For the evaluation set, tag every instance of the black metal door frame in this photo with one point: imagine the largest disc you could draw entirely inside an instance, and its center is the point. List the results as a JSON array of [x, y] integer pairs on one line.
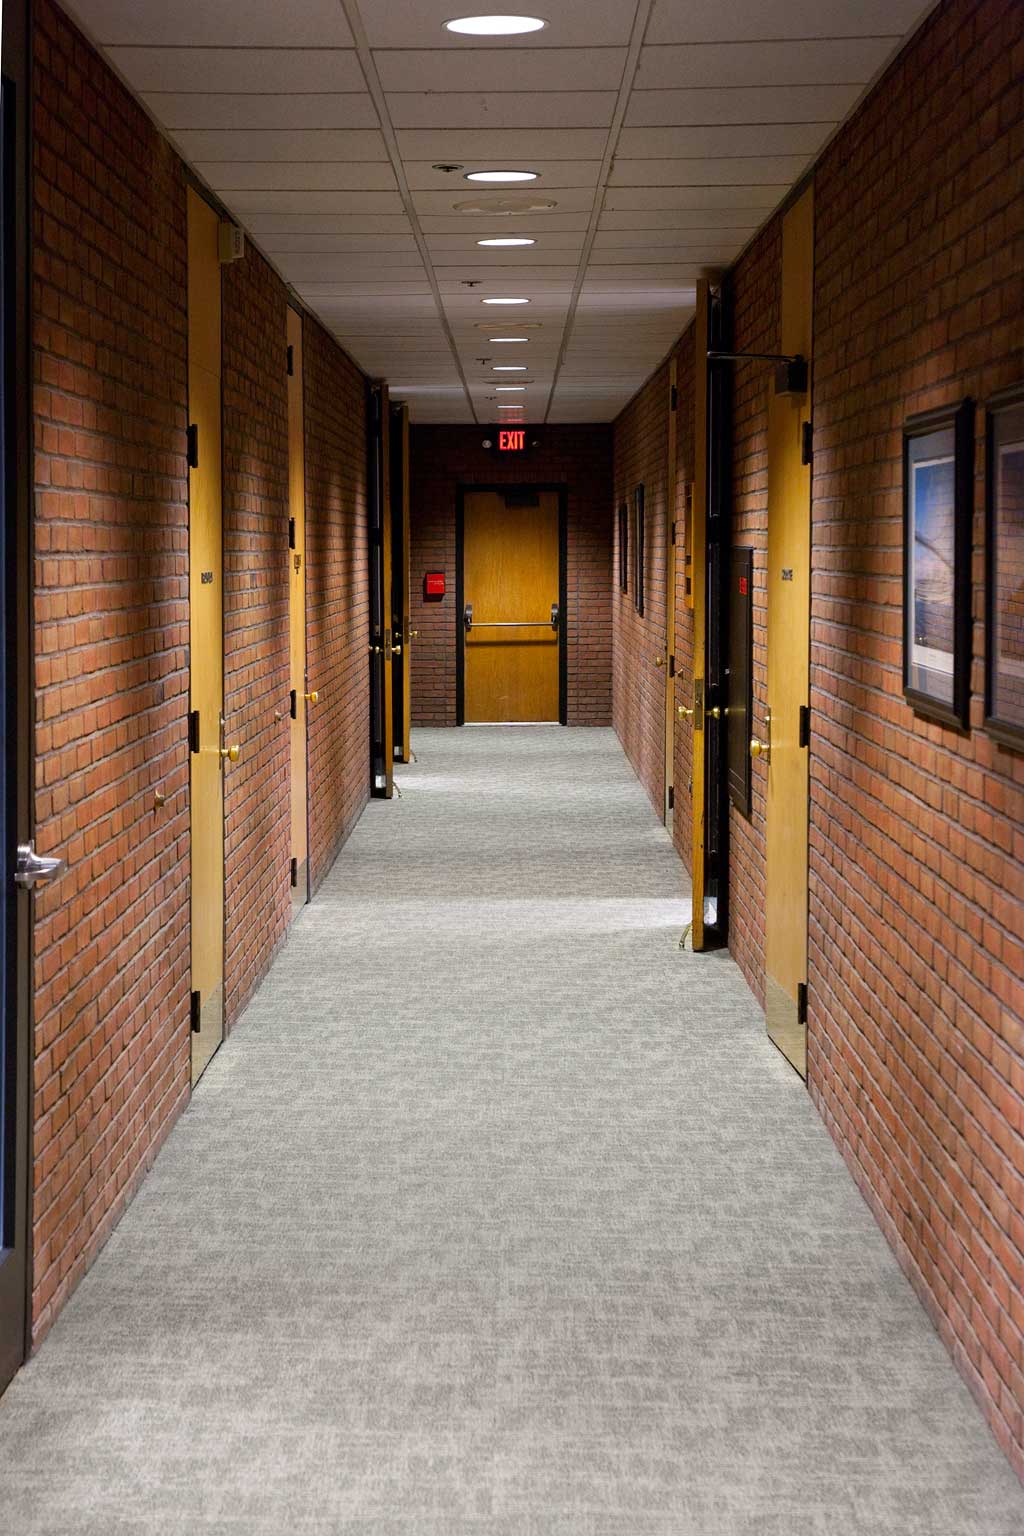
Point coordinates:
[[462, 491], [16, 693], [380, 596], [716, 720]]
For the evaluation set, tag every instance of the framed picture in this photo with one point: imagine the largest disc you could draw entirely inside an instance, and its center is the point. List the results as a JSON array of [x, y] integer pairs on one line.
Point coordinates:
[[623, 548], [938, 475], [638, 548], [1004, 567]]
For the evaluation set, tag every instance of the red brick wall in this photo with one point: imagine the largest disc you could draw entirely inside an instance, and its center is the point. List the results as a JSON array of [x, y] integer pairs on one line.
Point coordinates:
[[112, 953], [111, 616], [441, 459], [638, 686], [337, 594], [257, 789], [916, 962], [917, 882], [682, 820]]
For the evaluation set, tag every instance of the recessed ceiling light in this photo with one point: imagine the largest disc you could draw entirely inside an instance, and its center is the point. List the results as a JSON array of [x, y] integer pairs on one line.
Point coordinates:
[[517, 241], [508, 338], [497, 178], [504, 301], [508, 367], [494, 26], [508, 389], [510, 407]]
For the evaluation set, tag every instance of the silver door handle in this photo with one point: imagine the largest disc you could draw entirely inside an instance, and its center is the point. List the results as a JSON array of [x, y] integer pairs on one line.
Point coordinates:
[[32, 866]]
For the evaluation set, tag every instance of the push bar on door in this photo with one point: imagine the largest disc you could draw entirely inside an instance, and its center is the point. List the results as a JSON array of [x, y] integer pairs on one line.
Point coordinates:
[[509, 623]]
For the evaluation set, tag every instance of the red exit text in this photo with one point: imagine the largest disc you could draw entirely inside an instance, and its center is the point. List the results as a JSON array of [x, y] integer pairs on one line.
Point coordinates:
[[511, 442]]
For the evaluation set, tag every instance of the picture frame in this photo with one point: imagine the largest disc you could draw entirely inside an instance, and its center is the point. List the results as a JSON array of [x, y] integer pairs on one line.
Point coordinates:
[[938, 508], [638, 548], [623, 547], [1004, 567]]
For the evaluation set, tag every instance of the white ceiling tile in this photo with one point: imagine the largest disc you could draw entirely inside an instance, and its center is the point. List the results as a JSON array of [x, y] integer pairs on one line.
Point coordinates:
[[659, 199], [772, 170], [256, 24], [556, 174], [357, 225], [547, 240], [276, 200], [503, 148], [296, 175], [476, 226], [646, 277], [783, 104], [389, 250], [609, 243], [240, 110], [725, 141], [499, 69], [721, 67], [501, 109], [221, 70], [711, 21], [349, 267], [309, 146], [420, 24], [691, 219]]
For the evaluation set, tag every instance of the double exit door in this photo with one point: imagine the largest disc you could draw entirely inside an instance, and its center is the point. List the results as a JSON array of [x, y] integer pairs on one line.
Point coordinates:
[[510, 606]]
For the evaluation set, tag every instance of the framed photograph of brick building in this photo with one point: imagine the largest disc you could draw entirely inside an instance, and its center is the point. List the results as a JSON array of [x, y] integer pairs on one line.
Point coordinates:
[[1004, 567], [639, 529], [938, 452]]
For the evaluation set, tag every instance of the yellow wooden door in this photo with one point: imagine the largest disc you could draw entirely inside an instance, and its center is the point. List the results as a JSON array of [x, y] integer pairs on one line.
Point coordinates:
[[206, 637], [697, 541], [400, 560], [789, 617], [670, 599], [510, 581], [301, 696]]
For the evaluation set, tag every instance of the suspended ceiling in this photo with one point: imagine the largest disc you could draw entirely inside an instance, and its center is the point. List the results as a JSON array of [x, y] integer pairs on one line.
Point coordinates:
[[664, 132]]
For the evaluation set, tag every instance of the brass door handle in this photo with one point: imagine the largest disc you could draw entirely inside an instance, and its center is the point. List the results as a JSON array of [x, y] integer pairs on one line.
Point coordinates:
[[686, 714], [396, 650], [716, 713], [659, 661], [414, 634], [231, 754], [759, 748], [311, 698], [375, 650]]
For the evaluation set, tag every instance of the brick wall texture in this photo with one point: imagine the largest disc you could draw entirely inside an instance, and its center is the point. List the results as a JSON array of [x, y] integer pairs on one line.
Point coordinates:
[[112, 943], [916, 899], [442, 459]]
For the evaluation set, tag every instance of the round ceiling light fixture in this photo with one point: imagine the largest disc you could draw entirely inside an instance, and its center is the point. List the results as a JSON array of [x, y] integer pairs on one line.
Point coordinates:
[[494, 26], [501, 207], [500, 178], [518, 240], [504, 301]]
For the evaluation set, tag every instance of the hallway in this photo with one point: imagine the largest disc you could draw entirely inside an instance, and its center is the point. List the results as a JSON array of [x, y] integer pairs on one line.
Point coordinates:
[[498, 1213]]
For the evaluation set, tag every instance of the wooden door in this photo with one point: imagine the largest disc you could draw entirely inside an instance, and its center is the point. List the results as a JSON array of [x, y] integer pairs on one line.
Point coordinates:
[[382, 722], [670, 597], [301, 697], [789, 612], [206, 638], [511, 622], [400, 606]]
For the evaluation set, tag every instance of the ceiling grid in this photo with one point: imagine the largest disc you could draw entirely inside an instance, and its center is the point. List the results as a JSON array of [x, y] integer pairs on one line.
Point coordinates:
[[662, 134]]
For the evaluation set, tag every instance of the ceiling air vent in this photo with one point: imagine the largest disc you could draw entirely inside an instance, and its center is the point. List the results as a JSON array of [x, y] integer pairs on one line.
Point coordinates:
[[517, 202]]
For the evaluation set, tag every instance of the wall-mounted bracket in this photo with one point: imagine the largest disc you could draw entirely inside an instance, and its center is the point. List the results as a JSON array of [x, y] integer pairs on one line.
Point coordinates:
[[791, 373]]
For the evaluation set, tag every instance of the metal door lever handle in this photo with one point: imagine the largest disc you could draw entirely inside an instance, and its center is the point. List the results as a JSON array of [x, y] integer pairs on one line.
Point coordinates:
[[32, 867]]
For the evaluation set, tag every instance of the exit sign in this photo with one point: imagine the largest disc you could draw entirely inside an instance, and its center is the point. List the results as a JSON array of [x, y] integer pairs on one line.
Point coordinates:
[[511, 440]]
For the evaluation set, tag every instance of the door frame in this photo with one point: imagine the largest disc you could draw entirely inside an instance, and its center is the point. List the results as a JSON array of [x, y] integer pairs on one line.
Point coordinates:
[[18, 706], [470, 489]]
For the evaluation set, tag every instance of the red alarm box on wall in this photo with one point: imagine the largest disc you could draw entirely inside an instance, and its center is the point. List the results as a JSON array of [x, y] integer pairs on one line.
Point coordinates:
[[433, 584]]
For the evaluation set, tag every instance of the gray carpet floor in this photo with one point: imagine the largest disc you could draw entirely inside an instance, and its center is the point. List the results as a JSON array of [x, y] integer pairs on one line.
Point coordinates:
[[498, 1214]]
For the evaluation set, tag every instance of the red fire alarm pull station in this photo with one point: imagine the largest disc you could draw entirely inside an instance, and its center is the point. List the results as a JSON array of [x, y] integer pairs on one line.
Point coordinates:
[[433, 584], [512, 440]]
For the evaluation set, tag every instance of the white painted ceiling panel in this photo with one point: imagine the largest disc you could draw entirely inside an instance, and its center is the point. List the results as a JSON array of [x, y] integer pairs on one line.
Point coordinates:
[[660, 161], [756, 105], [561, 70], [502, 109], [420, 24], [244, 24], [732, 65], [714, 21], [242, 110], [278, 70]]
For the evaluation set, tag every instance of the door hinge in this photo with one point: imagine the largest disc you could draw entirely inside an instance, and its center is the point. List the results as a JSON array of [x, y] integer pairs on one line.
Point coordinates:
[[671, 797], [291, 361], [193, 731], [295, 873], [192, 444], [291, 533], [807, 443], [295, 703], [675, 398], [195, 1010], [801, 1002], [805, 725]]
